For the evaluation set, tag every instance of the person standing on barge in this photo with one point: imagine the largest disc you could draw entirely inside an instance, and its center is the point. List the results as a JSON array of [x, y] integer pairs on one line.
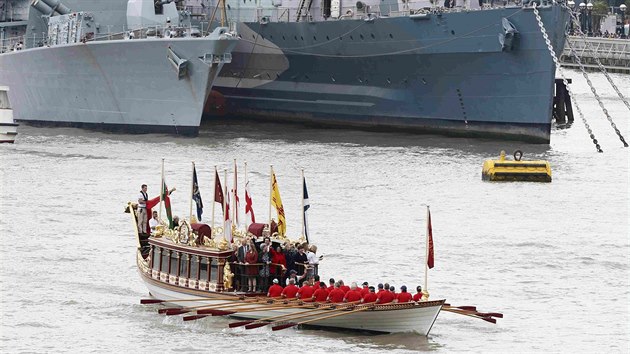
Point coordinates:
[[143, 218]]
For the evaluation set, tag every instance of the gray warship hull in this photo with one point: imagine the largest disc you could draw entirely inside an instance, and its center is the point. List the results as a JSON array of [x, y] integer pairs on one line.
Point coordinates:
[[114, 85], [441, 73]]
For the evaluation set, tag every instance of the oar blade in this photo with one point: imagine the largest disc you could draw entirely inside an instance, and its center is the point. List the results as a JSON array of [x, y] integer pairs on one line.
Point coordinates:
[[194, 317], [222, 313], [174, 312], [164, 310], [467, 308], [283, 326], [256, 325], [489, 319], [494, 314], [239, 324], [151, 301]]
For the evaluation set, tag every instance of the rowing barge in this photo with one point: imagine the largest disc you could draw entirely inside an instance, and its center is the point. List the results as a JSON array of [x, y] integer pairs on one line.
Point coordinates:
[[191, 266]]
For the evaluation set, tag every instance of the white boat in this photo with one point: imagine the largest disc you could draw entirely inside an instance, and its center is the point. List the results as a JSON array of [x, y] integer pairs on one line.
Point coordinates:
[[179, 270], [8, 127]]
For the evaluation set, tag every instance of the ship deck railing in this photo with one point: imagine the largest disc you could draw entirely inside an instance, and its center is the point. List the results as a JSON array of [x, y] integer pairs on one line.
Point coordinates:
[[289, 14]]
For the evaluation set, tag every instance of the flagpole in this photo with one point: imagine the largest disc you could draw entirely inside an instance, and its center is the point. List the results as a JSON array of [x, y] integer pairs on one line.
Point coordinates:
[[161, 190], [246, 221], [214, 197], [234, 195], [270, 196], [426, 257], [192, 191], [225, 195], [303, 214]]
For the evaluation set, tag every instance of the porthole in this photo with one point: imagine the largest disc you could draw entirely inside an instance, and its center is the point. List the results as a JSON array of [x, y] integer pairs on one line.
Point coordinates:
[[452, 32], [372, 35], [327, 38], [295, 37], [314, 38], [351, 38], [391, 36], [302, 38], [283, 38], [361, 36]]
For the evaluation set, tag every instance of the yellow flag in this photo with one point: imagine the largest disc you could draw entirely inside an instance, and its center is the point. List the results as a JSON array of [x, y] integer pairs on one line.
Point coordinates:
[[276, 201]]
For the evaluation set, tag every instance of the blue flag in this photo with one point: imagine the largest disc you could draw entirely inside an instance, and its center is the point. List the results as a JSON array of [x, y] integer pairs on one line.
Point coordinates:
[[306, 206], [196, 195]]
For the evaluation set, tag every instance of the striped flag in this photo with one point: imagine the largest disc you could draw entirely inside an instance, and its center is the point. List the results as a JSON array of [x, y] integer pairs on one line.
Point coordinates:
[[307, 205], [276, 201], [167, 205]]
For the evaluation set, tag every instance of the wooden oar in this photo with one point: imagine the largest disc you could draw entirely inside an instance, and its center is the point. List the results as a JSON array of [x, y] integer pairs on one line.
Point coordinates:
[[472, 314], [296, 315], [213, 312], [273, 318], [466, 308], [181, 310], [343, 313], [158, 301]]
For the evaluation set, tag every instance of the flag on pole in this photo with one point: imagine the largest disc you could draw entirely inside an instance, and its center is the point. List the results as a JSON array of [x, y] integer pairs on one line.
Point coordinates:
[[249, 210], [167, 205], [430, 242], [227, 225], [196, 196], [237, 203], [307, 205], [218, 191], [276, 201]]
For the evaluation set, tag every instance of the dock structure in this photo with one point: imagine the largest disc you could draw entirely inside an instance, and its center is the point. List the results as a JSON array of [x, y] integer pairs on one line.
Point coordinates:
[[614, 54]]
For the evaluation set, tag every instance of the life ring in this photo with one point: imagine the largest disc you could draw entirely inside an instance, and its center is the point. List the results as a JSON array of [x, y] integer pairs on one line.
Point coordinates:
[[518, 154]]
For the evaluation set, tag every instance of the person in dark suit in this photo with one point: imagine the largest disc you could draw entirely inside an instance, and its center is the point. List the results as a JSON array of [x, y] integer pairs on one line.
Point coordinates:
[[240, 257]]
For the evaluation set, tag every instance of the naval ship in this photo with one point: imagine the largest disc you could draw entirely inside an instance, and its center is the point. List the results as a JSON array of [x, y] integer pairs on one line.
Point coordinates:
[[468, 69], [119, 65]]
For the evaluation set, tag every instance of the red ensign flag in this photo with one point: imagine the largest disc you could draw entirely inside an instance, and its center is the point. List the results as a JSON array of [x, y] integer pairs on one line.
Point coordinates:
[[430, 236]]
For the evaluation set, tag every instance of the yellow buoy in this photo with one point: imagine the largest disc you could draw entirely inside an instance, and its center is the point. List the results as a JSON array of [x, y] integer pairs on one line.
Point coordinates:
[[516, 170]]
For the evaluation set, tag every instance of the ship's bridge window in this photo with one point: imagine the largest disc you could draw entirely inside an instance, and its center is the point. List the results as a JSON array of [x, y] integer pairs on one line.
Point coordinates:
[[158, 7]]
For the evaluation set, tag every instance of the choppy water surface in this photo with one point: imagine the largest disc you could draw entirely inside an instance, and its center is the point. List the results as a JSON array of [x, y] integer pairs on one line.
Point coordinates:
[[554, 258]]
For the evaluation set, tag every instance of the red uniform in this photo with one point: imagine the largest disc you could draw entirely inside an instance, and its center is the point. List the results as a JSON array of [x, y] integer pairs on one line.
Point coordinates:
[[344, 288], [365, 290], [336, 295], [290, 291], [385, 297], [417, 297], [275, 291], [330, 288], [369, 297], [352, 295], [321, 294], [306, 292], [404, 297]]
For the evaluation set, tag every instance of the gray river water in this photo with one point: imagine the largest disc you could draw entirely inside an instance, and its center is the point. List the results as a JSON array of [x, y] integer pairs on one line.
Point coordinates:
[[554, 258]]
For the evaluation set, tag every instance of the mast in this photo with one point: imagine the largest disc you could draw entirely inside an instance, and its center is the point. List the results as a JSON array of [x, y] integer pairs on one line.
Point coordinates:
[[161, 190], [246, 181], [426, 254], [214, 199], [270, 195], [192, 190], [303, 212]]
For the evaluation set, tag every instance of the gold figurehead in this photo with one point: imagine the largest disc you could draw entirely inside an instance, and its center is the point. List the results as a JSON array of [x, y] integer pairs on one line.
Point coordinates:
[[227, 276]]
